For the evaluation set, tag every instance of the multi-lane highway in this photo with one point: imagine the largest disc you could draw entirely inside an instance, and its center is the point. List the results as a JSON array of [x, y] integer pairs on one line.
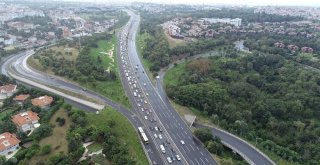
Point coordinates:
[[177, 138], [170, 140]]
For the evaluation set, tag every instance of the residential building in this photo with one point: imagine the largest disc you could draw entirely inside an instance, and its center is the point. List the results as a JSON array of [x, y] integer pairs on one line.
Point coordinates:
[[235, 22], [43, 101], [26, 121], [7, 91], [8, 143], [20, 99]]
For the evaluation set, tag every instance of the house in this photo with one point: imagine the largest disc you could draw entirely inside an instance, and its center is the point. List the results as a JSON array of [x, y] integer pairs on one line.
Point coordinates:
[[43, 101], [8, 143], [7, 91], [307, 50], [26, 121], [20, 99]]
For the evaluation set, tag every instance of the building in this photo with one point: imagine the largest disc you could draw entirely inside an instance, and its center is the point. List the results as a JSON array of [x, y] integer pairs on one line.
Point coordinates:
[[7, 90], [235, 22], [42, 102], [26, 121], [20, 99], [8, 143]]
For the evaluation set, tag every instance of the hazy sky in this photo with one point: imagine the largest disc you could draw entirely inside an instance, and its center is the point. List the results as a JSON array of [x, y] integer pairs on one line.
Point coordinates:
[[229, 2]]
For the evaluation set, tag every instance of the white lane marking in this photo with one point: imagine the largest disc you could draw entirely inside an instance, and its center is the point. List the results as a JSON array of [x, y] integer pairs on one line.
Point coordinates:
[[201, 153], [197, 161], [207, 160], [202, 161], [192, 148]]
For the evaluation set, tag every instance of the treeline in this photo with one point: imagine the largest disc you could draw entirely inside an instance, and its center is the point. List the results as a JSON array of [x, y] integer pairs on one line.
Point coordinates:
[[247, 15], [265, 42], [158, 53], [259, 96]]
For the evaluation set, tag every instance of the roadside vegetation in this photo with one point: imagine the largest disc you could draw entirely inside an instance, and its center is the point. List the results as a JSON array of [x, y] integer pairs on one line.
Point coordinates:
[[263, 98], [224, 154], [94, 67]]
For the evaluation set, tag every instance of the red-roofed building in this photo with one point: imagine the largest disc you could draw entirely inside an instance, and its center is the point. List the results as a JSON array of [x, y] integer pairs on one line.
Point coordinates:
[[20, 99], [26, 121], [42, 102], [7, 90], [8, 143]]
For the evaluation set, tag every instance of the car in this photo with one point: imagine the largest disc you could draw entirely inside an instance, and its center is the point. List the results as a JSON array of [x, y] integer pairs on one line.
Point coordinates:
[[139, 104], [160, 129], [160, 136], [169, 160], [139, 96], [178, 157], [142, 109], [145, 101], [173, 150], [147, 94], [144, 84], [156, 128], [182, 142], [84, 89], [155, 135], [146, 117]]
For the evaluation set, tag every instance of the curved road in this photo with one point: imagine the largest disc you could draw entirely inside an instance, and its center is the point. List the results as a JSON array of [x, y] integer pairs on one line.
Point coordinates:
[[14, 66], [192, 152], [251, 154]]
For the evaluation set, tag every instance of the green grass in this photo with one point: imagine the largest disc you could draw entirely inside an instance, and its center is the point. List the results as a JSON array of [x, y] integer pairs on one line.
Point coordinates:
[[172, 74], [94, 147], [5, 113], [141, 44], [123, 129], [111, 89], [58, 139]]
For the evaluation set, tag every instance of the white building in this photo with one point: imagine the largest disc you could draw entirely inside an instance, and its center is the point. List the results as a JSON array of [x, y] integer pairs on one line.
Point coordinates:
[[235, 22], [8, 143], [26, 121]]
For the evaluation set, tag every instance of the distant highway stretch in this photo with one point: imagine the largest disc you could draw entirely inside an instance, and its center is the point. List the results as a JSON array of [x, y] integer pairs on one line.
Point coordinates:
[[174, 129]]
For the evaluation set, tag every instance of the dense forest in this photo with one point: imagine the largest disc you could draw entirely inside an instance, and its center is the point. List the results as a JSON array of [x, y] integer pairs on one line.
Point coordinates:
[[262, 97]]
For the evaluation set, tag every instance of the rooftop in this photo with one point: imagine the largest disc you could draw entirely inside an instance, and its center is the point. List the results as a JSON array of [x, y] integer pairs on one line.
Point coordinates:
[[8, 140], [42, 101], [24, 118]]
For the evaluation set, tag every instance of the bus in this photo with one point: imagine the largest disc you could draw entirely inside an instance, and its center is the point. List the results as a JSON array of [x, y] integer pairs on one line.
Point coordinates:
[[143, 135]]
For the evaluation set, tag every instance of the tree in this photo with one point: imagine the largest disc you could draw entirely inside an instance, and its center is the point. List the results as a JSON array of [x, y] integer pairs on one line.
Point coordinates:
[[215, 147], [203, 134], [2, 159]]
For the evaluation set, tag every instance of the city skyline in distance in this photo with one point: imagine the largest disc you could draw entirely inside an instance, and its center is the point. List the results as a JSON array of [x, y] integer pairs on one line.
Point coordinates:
[[309, 3]]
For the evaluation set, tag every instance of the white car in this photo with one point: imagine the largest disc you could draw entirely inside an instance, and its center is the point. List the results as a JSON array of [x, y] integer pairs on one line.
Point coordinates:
[[155, 135], [144, 84], [146, 117], [156, 128], [178, 157], [145, 101], [142, 109], [182, 142], [160, 136], [169, 160], [147, 94], [139, 104]]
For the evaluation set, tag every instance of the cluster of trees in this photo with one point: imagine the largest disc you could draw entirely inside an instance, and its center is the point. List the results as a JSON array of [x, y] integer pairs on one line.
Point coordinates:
[[247, 15], [80, 132], [45, 129], [257, 96], [214, 145], [84, 66]]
